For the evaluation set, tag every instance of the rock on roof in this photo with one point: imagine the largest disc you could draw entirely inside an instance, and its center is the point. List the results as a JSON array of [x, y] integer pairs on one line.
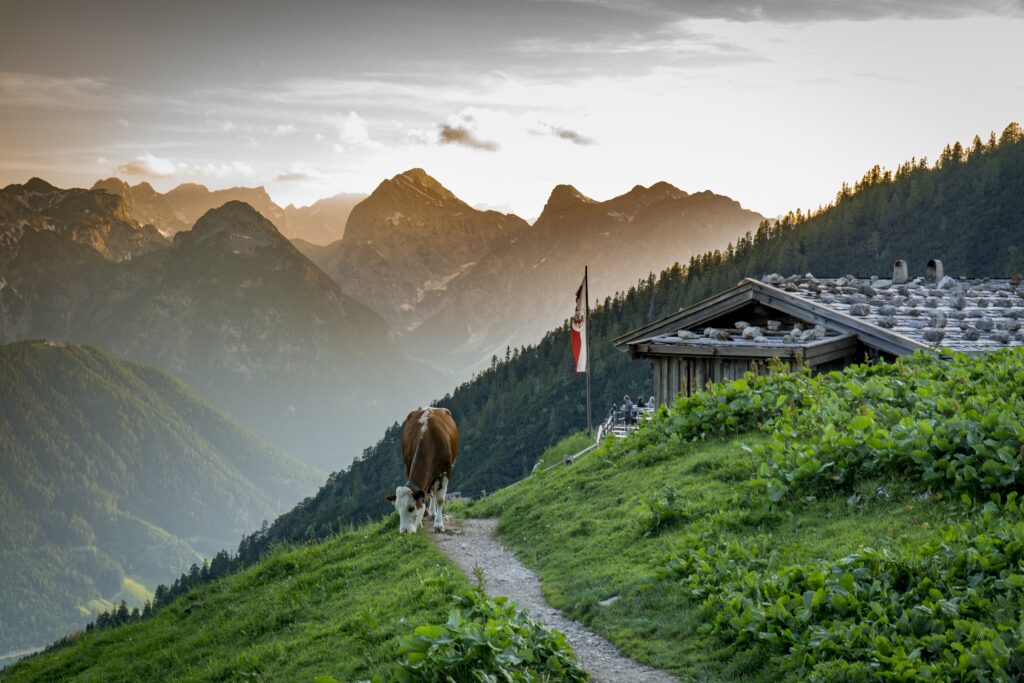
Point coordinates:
[[961, 314]]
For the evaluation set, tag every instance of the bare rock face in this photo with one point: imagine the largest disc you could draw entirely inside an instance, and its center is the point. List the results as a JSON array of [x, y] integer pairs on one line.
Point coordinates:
[[145, 205], [92, 218], [407, 241], [190, 201], [322, 222]]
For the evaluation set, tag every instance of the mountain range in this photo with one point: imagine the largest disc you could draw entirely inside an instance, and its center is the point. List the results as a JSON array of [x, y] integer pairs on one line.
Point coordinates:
[[460, 285], [115, 471], [319, 223], [423, 289], [230, 307]]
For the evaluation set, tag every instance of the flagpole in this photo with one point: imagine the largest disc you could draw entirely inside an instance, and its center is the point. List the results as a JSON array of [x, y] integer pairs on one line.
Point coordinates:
[[586, 326]]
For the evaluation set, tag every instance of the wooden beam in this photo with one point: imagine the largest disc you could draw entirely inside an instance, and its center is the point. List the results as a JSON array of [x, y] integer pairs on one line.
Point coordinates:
[[710, 351], [836, 354], [724, 302], [848, 342]]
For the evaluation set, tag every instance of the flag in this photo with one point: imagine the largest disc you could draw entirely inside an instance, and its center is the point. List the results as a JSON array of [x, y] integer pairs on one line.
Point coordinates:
[[579, 328]]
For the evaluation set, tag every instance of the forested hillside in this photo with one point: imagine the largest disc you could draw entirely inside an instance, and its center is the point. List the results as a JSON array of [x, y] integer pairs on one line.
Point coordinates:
[[966, 209], [113, 470]]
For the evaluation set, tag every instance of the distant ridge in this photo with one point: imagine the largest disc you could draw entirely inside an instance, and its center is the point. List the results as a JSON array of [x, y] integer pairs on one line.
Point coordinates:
[[114, 470], [320, 223]]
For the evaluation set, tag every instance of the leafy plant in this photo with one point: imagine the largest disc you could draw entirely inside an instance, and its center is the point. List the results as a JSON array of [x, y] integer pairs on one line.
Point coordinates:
[[662, 510], [486, 640], [949, 609]]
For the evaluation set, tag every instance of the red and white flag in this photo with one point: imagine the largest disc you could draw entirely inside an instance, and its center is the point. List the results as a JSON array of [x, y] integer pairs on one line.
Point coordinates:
[[579, 329]]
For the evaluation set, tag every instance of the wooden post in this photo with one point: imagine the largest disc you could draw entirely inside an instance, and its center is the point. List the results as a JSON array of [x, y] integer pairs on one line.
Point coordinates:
[[586, 326]]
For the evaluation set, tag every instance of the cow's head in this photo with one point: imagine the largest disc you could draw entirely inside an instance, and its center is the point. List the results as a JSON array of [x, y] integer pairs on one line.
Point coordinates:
[[411, 506]]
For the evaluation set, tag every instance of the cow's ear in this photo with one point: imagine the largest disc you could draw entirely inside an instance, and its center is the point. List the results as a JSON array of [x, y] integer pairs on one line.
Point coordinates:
[[390, 498], [419, 495]]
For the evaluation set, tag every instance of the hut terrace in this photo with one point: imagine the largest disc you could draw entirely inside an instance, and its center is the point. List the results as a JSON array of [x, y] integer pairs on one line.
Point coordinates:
[[826, 323]]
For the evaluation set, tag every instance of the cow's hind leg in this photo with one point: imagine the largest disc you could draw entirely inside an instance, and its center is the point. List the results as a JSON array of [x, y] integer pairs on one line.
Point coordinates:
[[442, 491]]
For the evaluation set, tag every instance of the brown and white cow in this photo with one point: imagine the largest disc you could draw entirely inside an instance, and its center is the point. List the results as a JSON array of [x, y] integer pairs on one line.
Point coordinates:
[[430, 444]]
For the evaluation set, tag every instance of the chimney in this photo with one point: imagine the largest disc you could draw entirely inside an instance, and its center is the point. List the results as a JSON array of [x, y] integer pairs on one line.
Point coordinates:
[[899, 272], [933, 271]]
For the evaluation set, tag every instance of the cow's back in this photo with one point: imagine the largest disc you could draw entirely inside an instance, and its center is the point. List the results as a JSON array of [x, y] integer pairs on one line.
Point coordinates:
[[437, 439], [445, 435]]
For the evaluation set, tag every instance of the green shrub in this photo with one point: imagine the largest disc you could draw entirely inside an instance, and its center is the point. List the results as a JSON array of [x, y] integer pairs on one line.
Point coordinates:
[[486, 640], [954, 422], [952, 609], [662, 511]]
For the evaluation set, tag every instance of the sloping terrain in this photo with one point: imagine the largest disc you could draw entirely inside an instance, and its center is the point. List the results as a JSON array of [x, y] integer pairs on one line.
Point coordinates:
[[367, 603], [337, 608], [871, 530], [112, 469]]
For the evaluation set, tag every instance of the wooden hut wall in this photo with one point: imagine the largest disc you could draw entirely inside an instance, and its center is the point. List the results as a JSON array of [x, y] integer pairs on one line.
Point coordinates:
[[675, 375]]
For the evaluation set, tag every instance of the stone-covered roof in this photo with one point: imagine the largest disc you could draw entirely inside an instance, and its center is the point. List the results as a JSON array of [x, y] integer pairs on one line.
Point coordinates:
[[807, 313], [962, 314], [743, 334]]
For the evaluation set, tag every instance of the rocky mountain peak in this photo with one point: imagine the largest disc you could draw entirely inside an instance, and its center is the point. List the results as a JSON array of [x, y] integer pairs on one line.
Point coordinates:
[[37, 186], [243, 227], [144, 189], [112, 185], [414, 186], [564, 198], [567, 195]]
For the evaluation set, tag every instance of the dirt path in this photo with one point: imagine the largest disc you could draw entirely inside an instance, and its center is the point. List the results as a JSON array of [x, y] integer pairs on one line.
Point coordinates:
[[472, 542]]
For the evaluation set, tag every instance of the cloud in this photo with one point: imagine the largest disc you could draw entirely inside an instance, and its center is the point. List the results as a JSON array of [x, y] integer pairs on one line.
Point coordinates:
[[298, 173], [284, 129], [149, 166], [563, 133], [152, 166], [572, 136], [292, 177], [458, 135], [124, 123], [37, 91], [811, 10], [353, 132], [227, 126]]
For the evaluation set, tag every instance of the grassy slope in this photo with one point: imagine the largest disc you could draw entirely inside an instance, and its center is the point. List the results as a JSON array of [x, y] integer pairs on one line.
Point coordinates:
[[570, 445], [583, 528], [336, 608]]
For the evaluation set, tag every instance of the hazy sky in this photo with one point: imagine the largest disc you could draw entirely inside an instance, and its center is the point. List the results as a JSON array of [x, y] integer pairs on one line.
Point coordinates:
[[773, 103]]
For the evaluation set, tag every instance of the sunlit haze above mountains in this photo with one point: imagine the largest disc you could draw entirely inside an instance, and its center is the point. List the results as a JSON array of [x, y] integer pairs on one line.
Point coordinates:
[[772, 103]]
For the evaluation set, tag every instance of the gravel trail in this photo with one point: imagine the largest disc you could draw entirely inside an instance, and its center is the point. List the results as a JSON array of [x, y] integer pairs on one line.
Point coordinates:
[[470, 542]]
